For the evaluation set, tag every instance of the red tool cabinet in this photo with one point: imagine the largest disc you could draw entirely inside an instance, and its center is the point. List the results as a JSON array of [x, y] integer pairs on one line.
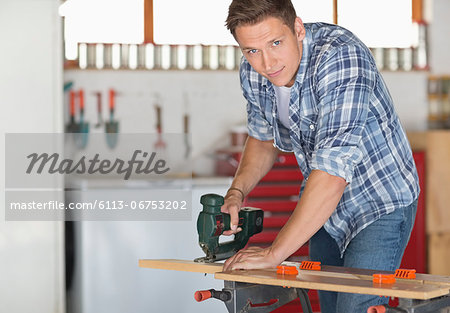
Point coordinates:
[[277, 195]]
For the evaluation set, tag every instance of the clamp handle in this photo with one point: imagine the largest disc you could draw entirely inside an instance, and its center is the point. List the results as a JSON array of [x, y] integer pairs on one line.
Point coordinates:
[[376, 309], [202, 295]]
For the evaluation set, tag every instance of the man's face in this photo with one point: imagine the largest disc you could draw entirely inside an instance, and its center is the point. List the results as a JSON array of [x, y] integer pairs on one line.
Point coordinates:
[[272, 49]]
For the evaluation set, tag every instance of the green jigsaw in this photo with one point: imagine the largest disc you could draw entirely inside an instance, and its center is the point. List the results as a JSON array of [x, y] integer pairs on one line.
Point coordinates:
[[211, 223]]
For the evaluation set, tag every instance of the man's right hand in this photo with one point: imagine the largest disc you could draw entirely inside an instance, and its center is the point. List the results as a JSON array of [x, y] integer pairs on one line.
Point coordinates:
[[232, 206], [257, 159]]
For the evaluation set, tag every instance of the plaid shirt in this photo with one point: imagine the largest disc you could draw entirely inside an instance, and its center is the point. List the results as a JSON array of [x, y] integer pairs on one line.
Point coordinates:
[[342, 121]]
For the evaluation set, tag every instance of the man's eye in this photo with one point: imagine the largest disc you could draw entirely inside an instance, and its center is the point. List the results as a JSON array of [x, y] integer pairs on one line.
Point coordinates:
[[252, 51], [276, 42]]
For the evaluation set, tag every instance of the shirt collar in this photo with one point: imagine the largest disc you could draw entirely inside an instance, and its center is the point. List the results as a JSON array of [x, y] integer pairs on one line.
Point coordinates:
[[306, 52]]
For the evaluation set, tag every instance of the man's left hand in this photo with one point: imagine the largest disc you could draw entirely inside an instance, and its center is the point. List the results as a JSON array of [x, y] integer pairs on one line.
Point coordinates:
[[252, 258]]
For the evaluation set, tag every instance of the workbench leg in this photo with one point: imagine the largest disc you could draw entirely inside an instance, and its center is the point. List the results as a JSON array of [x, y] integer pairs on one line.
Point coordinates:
[[304, 300]]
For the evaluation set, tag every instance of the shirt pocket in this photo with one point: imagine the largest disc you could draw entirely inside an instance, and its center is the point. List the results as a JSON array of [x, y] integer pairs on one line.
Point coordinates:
[[308, 132]]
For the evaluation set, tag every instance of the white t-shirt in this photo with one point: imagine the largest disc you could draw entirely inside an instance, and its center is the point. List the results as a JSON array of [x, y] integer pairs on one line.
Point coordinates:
[[283, 95]]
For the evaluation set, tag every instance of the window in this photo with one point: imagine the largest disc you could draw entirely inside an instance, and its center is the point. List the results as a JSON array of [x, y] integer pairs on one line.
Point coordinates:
[[189, 24], [101, 21], [379, 23], [314, 11]]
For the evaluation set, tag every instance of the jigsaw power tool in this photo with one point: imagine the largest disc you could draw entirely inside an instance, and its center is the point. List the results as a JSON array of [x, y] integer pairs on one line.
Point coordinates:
[[211, 223]]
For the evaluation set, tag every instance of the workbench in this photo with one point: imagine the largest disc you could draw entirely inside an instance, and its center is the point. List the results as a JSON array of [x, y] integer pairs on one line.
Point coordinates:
[[425, 293]]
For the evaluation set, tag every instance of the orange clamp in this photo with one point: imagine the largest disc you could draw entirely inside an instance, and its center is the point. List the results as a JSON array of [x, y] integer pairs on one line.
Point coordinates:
[[310, 265], [287, 270], [383, 278], [405, 274]]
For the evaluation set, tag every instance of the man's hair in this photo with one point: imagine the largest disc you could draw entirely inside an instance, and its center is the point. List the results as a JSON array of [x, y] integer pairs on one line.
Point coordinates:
[[250, 12]]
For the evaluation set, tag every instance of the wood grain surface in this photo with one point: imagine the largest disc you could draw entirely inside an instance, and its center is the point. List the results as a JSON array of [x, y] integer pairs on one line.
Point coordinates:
[[330, 278], [181, 265]]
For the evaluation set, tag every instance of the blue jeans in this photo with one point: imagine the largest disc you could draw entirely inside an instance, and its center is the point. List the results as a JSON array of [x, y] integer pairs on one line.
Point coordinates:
[[379, 246]]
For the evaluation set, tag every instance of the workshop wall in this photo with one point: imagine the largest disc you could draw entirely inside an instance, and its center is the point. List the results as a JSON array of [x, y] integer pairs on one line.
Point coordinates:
[[212, 99]]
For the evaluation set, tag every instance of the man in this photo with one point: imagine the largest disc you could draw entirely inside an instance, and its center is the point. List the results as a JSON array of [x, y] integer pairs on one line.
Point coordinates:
[[314, 89]]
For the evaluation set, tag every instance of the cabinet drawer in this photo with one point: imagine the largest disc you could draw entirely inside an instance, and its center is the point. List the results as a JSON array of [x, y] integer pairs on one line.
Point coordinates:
[[284, 174], [273, 205], [275, 222], [266, 237], [275, 190], [285, 159]]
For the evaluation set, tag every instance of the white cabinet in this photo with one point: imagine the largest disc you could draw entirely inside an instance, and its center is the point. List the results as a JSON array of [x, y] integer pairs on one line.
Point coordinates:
[[31, 253], [107, 276]]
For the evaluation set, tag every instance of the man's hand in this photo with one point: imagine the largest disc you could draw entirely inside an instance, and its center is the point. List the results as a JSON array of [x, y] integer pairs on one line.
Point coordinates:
[[319, 199], [257, 159], [252, 258], [232, 206]]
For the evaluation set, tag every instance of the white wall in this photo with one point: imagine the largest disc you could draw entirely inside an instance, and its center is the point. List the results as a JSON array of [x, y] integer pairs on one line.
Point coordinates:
[[409, 92], [439, 37], [215, 103], [31, 253]]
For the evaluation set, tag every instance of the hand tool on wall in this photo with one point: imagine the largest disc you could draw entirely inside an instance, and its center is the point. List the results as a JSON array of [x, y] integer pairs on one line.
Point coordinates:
[[99, 123], [112, 126], [211, 223], [72, 127], [82, 136], [160, 143], [186, 135], [186, 128], [67, 86]]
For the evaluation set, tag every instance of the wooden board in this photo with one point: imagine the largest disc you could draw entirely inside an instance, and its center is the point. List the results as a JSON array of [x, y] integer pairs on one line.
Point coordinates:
[[438, 182], [330, 278], [417, 140], [439, 253], [307, 280], [359, 273], [182, 265]]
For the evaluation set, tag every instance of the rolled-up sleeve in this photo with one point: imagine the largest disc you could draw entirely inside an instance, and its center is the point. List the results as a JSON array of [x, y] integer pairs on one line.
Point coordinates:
[[257, 125], [344, 83]]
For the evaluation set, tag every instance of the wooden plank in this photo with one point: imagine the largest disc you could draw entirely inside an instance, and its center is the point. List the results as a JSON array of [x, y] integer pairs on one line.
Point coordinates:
[[439, 253], [417, 11], [332, 278], [366, 274], [438, 182], [310, 280], [148, 21], [181, 265], [335, 11], [417, 140]]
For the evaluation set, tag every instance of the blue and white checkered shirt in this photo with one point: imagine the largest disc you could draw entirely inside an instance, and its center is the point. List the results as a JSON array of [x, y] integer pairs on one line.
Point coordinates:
[[342, 121]]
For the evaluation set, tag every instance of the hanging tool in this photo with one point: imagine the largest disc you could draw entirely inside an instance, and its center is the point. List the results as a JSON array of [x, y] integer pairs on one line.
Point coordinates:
[[187, 151], [82, 136], [112, 126], [72, 127], [99, 123], [67, 86], [159, 144], [186, 128], [211, 223]]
